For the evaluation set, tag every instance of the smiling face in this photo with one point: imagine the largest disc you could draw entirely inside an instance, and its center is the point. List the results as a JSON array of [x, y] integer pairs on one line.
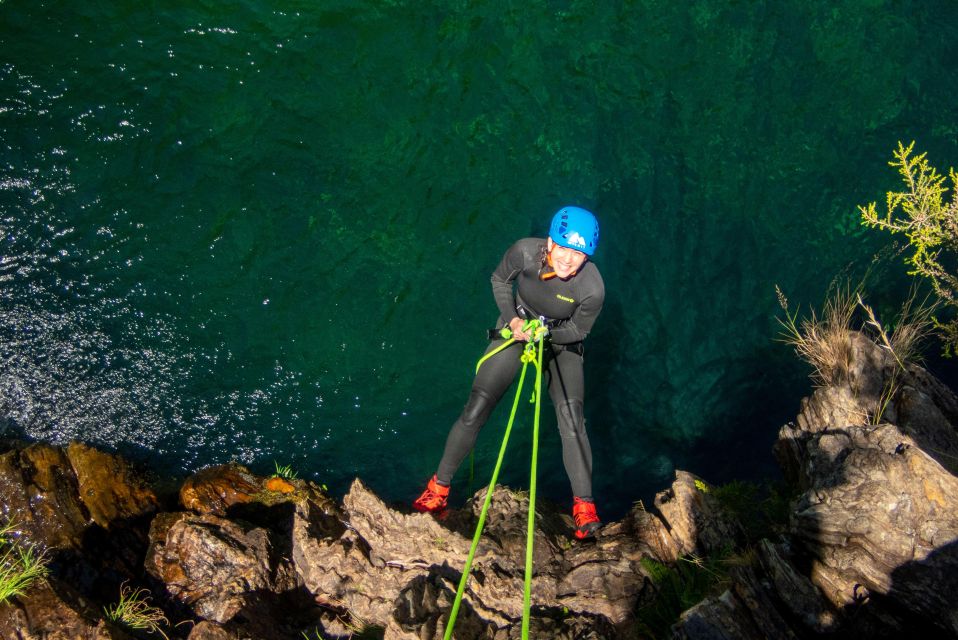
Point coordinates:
[[565, 261]]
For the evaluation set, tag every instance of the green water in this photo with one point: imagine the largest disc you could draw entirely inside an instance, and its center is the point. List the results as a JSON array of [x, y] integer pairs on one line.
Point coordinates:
[[236, 232]]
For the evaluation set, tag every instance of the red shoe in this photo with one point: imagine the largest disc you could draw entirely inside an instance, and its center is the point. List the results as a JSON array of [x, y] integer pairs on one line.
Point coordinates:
[[433, 499], [586, 520]]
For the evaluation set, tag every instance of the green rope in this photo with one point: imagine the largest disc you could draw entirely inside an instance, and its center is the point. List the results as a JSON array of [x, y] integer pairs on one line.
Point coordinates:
[[530, 535], [494, 352], [482, 514], [528, 356]]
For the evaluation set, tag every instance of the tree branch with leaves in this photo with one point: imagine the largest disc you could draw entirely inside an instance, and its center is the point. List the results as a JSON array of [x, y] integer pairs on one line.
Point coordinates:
[[929, 219]]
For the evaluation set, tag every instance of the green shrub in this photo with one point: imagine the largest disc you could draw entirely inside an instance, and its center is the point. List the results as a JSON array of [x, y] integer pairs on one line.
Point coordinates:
[[929, 219]]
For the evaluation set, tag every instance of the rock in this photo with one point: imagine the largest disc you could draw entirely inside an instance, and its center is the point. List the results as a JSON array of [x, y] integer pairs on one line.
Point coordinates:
[[215, 489], [695, 520], [207, 630], [877, 504], [40, 495], [401, 571], [54, 611], [878, 515], [108, 487], [215, 566], [766, 595], [53, 496]]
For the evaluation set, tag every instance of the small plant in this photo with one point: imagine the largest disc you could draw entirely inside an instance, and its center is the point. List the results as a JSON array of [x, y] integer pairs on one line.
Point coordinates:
[[677, 588], [903, 344], [701, 486], [20, 566], [285, 472], [134, 611]]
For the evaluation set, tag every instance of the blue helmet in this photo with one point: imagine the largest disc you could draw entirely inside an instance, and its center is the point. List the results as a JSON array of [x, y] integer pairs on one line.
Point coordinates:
[[575, 228]]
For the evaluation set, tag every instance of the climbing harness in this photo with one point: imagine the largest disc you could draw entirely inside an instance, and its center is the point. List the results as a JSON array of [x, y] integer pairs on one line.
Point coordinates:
[[530, 354]]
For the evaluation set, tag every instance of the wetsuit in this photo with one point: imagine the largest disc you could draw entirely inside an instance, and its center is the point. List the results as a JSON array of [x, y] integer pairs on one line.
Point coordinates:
[[570, 308]]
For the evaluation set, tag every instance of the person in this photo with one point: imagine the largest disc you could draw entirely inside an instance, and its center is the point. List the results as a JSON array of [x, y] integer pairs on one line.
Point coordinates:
[[551, 278]]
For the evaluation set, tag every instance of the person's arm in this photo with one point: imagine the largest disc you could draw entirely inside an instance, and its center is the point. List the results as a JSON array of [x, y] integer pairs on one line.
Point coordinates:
[[502, 279], [578, 326]]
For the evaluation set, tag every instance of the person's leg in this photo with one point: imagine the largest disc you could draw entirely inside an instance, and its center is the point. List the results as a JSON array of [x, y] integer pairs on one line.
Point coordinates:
[[567, 390], [494, 377]]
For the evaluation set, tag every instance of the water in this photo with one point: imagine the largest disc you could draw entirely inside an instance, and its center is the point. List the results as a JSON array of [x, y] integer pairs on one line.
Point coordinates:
[[262, 235]]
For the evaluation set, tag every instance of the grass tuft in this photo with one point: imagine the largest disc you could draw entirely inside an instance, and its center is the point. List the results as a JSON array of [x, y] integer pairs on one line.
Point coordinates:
[[286, 472], [823, 342], [20, 565], [134, 611]]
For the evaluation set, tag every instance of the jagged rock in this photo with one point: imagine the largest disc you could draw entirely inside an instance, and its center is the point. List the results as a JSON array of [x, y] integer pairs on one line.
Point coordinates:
[[401, 571], [695, 520], [215, 489], [879, 513], [878, 504], [51, 610], [215, 566], [765, 596], [796, 596]]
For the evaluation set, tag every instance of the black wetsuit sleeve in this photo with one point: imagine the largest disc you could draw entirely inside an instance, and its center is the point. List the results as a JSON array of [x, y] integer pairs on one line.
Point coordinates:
[[578, 326], [502, 278]]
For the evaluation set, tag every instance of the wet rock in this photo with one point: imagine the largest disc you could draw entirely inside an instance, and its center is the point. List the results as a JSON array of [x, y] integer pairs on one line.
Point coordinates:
[[695, 520], [54, 611], [54, 495], [215, 489], [109, 489], [39, 493]]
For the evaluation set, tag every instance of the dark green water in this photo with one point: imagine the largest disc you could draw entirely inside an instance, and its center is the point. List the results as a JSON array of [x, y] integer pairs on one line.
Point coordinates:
[[235, 232]]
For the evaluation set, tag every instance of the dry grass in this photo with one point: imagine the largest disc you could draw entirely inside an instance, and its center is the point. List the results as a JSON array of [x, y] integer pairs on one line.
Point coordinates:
[[823, 342]]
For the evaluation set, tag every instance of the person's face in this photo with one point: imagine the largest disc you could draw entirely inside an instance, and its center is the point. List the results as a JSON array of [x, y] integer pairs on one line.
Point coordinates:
[[565, 261]]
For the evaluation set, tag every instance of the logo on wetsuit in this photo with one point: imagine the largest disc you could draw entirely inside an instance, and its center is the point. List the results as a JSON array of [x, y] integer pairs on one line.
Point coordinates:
[[565, 299]]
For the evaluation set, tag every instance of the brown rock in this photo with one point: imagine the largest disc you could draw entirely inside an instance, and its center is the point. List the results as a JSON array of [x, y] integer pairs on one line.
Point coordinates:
[[695, 520], [39, 493], [208, 563], [215, 566], [108, 487], [215, 489], [879, 512], [207, 630]]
